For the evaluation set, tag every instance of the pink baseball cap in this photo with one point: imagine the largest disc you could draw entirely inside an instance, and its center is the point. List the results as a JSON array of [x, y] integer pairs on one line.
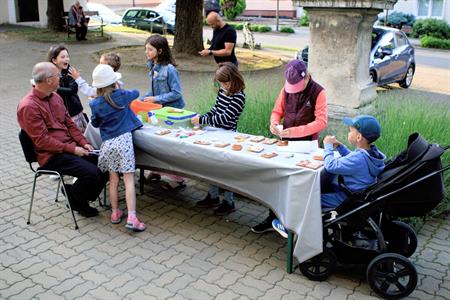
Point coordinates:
[[294, 73]]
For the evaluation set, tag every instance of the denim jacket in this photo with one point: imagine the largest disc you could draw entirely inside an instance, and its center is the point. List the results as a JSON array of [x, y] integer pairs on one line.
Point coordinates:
[[112, 121], [166, 84]]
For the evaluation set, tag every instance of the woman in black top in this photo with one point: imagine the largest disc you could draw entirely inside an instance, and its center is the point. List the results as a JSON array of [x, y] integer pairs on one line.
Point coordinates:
[[68, 88]]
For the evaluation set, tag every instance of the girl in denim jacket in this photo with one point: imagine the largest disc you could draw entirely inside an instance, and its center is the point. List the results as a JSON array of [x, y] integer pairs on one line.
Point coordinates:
[[112, 114], [165, 86], [165, 89]]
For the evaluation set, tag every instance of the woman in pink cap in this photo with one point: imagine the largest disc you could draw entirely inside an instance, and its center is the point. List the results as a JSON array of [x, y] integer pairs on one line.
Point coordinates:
[[302, 105]]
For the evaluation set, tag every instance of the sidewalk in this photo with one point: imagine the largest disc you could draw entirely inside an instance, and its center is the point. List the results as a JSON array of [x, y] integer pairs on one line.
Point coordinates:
[[186, 253]]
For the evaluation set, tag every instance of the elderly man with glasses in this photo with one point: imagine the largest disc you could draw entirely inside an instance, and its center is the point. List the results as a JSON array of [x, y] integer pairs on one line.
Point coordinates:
[[58, 143]]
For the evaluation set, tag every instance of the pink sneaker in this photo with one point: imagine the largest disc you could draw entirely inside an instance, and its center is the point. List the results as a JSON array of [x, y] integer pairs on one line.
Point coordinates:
[[135, 225], [116, 217]]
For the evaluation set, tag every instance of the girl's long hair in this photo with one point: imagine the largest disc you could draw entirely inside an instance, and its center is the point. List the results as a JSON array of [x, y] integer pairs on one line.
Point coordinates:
[[106, 92], [162, 47], [228, 72]]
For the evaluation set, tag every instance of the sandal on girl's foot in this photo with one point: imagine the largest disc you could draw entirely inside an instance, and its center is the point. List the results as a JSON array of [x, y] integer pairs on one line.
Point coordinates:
[[116, 216], [135, 225], [155, 177], [173, 186]]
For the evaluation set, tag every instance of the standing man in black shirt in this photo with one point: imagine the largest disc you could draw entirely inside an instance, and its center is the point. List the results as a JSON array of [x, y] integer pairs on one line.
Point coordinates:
[[223, 40]]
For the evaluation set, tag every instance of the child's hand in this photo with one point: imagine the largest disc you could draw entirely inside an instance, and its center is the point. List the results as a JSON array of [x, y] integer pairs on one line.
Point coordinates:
[[330, 139], [195, 120], [284, 133], [149, 99], [336, 143], [74, 73], [274, 129]]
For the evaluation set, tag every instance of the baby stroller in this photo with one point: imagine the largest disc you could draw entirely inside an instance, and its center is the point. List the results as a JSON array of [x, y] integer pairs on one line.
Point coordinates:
[[365, 228]]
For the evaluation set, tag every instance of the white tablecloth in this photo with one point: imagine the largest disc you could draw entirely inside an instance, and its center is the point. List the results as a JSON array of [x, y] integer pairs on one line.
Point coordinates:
[[292, 192]]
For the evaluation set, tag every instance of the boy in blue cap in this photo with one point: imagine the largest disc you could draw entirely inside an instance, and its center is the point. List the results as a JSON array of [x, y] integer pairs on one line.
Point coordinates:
[[359, 168]]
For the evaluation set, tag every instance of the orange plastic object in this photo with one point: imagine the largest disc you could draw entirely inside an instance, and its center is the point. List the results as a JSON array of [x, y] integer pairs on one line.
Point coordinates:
[[138, 106], [141, 108]]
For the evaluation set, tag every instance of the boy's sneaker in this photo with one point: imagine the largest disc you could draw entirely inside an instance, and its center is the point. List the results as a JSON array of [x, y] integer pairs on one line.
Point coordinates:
[[116, 216], [264, 226], [224, 209], [276, 224], [208, 202], [135, 225]]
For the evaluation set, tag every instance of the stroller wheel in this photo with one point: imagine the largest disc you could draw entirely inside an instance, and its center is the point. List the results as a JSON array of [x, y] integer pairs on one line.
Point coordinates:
[[400, 238], [391, 276], [320, 267]]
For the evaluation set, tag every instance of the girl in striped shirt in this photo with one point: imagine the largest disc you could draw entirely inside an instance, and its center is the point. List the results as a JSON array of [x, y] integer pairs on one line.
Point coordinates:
[[225, 113]]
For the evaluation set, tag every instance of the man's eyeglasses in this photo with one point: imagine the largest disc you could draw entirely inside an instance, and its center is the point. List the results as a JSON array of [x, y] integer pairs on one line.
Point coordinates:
[[53, 75]]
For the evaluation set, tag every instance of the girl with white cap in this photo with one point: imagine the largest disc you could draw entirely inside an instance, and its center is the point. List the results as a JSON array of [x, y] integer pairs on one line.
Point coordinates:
[[112, 114]]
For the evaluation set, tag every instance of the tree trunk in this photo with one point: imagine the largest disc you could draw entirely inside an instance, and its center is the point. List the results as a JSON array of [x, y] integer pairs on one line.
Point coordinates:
[[55, 9], [189, 27]]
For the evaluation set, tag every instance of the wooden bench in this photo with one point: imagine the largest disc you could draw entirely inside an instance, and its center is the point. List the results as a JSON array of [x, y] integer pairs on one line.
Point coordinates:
[[87, 14]]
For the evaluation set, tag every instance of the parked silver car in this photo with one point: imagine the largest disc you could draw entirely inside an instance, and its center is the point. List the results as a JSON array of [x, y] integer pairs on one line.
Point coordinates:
[[391, 57]]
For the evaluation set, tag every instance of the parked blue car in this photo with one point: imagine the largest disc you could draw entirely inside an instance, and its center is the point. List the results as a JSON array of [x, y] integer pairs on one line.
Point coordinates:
[[391, 58]]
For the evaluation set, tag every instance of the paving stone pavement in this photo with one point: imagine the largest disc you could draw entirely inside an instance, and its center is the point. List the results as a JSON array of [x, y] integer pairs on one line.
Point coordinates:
[[186, 253]]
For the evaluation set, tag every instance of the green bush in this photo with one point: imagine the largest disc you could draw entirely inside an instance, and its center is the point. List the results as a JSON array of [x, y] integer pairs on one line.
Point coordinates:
[[432, 27], [264, 28], [287, 30], [260, 28], [304, 20], [237, 26], [254, 27], [433, 42], [398, 19], [232, 8]]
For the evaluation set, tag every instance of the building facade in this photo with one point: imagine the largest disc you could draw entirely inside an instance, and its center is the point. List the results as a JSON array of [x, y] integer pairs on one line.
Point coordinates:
[[28, 12]]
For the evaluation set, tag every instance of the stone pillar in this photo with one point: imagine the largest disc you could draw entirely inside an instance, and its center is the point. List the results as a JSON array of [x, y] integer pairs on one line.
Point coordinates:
[[339, 48]]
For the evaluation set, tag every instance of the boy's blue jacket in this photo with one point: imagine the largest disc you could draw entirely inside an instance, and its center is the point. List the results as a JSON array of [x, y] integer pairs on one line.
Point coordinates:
[[166, 84], [359, 168], [112, 121]]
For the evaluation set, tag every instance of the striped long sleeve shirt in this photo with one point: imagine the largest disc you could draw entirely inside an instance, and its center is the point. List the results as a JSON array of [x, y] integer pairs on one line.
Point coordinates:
[[226, 111]]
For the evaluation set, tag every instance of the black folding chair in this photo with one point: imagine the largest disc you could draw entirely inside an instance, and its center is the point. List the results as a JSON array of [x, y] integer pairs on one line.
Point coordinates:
[[30, 157]]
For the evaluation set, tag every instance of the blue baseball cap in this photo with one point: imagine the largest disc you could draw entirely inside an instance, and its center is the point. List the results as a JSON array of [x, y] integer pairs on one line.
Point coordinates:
[[368, 126]]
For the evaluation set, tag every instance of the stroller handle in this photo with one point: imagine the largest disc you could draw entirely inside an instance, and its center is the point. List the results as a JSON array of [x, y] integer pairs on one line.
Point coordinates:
[[446, 147]]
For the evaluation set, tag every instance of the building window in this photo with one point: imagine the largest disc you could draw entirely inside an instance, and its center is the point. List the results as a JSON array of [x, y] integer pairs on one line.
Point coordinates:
[[437, 7], [430, 8]]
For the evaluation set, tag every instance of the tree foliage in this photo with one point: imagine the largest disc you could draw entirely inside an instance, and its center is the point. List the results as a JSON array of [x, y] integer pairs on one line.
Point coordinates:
[[397, 19], [232, 8]]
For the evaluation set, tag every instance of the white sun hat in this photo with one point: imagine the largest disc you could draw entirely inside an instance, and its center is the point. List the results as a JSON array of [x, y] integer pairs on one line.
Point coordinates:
[[104, 75]]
